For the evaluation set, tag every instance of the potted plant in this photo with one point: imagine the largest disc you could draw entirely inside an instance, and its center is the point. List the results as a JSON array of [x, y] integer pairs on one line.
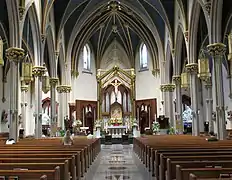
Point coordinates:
[[155, 127], [171, 131]]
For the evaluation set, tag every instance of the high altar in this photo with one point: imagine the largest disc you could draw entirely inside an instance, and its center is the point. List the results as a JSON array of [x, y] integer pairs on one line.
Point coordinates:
[[116, 100]]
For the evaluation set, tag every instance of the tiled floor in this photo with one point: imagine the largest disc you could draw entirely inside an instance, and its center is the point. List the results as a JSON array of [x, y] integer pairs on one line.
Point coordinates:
[[117, 162]]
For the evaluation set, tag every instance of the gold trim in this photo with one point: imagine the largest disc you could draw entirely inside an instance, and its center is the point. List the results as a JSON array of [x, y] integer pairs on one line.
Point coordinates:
[[63, 89], [216, 49], [38, 71], [192, 68], [167, 87], [15, 54]]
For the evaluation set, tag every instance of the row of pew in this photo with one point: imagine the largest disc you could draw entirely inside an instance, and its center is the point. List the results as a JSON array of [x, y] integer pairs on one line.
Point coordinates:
[[47, 159], [185, 157]]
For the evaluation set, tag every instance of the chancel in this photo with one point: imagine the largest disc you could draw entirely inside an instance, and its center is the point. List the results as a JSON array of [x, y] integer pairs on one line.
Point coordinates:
[[152, 77]]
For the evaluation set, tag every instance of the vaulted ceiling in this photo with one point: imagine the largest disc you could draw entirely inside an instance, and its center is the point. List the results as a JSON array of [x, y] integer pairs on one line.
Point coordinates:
[[99, 22]]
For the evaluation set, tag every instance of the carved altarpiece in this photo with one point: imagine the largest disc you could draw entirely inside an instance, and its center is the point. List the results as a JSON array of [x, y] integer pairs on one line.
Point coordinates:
[[116, 93]]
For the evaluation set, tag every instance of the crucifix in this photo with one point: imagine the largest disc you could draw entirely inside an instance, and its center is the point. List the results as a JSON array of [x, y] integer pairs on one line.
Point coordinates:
[[116, 83]]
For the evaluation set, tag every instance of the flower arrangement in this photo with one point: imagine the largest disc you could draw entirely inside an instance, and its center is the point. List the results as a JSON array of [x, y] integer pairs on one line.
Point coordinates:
[[77, 123], [172, 131], [155, 127]]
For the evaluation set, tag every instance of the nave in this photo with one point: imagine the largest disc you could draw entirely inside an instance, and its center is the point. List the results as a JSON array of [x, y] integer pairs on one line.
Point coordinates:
[[117, 162]]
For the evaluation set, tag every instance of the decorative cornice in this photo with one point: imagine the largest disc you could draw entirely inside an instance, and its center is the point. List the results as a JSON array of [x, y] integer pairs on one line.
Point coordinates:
[[53, 81], [63, 89], [167, 87], [24, 88], [192, 68], [176, 79], [216, 49], [15, 54], [38, 71], [21, 13]]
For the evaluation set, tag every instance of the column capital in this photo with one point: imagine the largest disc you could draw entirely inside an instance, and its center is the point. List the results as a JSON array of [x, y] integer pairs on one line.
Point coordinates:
[[216, 49], [43, 38], [15, 54], [167, 87], [207, 7], [53, 81], [24, 88], [63, 89], [192, 68], [176, 79], [21, 12], [38, 71]]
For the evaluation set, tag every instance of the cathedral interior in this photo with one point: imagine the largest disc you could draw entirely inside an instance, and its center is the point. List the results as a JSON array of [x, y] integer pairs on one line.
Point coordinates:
[[115, 89], [115, 62]]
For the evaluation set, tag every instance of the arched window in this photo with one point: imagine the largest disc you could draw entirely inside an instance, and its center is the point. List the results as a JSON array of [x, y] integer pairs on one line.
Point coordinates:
[[143, 56], [86, 57]]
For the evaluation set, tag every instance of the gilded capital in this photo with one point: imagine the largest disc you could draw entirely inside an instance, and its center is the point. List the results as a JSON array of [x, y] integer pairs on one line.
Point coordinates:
[[15, 54], [24, 88], [216, 49], [192, 68], [38, 71], [63, 89], [167, 87], [176, 79], [53, 81]]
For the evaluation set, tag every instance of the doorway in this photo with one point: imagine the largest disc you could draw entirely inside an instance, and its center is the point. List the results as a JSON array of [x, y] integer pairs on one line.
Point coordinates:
[[143, 121], [89, 121]]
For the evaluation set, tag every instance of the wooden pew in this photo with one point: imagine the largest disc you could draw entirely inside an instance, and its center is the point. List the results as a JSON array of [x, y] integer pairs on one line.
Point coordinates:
[[184, 157], [52, 149], [64, 172], [184, 173], [33, 174], [171, 167], [150, 148]]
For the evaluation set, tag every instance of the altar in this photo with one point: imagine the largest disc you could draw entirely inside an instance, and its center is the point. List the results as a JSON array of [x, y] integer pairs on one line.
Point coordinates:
[[116, 131]]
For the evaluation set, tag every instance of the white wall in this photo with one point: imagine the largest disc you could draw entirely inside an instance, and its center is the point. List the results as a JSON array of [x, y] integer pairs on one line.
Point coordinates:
[[84, 87], [147, 85]]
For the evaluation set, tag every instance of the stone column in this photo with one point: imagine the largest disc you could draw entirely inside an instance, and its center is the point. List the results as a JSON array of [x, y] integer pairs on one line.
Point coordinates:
[[192, 69], [24, 89], [178, 114], [38, 72], [209, 104], [168, 89], [15, 56], [61, 106], [53, 82], [217, 51], [63, 90]]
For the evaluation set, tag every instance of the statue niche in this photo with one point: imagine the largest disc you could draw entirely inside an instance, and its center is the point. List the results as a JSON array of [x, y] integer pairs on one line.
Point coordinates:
[[116, 114]]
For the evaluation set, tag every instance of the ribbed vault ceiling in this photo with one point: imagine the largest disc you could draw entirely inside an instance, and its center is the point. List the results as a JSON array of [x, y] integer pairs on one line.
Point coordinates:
[[99, 22]]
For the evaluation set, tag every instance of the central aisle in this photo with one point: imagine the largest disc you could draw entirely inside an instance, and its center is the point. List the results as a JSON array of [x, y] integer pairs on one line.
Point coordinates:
[[117, 162]]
